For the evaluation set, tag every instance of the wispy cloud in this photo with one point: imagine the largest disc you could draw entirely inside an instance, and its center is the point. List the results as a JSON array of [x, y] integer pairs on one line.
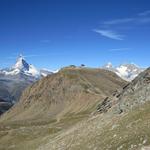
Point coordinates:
[[119, 49], [118, 21], [143, 17], [145, 13], [111, 28], [109, 34]]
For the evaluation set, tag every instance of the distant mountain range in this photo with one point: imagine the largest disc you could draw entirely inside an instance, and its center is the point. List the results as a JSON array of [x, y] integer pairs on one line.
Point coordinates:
[[15, 79], [22, 67], [126, 71]]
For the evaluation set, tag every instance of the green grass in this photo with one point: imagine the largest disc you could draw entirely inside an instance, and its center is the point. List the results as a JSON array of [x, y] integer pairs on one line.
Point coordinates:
[[28, 135], [132, 130]]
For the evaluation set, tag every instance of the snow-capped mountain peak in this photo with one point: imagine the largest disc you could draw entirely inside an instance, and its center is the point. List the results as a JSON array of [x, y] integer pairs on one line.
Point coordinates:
[[23, 68], [108, 65], [126, 71], [44, 72], [21, 64]]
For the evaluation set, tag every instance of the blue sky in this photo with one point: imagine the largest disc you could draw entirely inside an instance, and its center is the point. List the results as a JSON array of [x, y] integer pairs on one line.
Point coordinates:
[[55, 33]]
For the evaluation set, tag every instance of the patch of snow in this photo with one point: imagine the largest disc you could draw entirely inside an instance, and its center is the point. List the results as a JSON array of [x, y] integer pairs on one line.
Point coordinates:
[[33, 71], [109, 65], [122, 71], [126, 71]]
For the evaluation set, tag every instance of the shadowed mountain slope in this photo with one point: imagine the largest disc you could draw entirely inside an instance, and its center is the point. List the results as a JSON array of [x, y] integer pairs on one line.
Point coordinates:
[[4, 106]]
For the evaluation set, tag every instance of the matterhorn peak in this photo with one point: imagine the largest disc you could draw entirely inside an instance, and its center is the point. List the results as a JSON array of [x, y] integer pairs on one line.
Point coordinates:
[[21, 67], [21, 64]]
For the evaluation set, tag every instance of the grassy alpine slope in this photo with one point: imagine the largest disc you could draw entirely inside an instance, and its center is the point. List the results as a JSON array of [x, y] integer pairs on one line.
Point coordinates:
[[128, 130], [59, 112], [54, 105]]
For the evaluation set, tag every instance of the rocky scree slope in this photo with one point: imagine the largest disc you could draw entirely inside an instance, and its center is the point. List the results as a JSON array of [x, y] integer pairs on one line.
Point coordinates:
[[134, 94]]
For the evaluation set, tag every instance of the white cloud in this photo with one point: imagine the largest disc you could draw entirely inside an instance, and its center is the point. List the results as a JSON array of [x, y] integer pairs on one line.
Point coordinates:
[[118, 21], [118, 49], [109, 34], [143, 17], [145, 13], [123, 24]]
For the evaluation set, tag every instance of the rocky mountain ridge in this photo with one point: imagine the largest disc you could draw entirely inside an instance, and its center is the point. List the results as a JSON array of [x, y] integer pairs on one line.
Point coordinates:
[[68, 91]]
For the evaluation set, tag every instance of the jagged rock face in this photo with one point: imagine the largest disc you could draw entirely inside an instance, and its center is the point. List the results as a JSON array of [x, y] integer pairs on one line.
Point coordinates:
[[136, 93], [104, 106], [132, 95], [21, 64], [69, 91]]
